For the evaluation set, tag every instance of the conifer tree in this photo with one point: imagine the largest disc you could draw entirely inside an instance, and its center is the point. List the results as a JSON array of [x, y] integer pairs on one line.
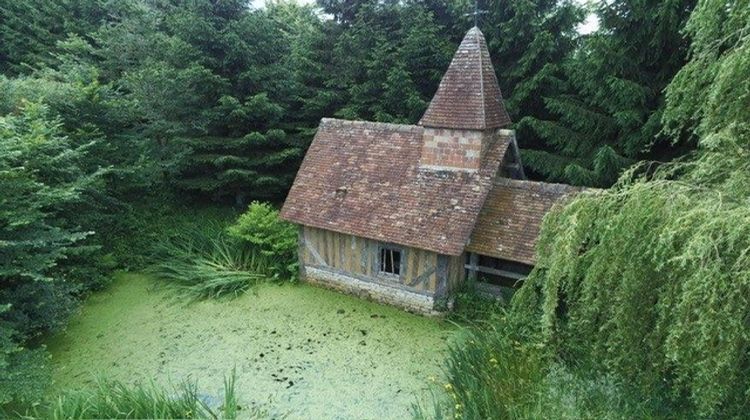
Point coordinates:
[[218, 78], [389, 62], [40, 178], [28, 32], [258, 165], [345, 11], [254, 142], [609, 113], [528, 41]]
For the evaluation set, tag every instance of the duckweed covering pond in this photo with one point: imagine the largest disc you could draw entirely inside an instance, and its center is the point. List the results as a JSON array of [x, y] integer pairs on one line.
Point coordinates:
[[299, 351]]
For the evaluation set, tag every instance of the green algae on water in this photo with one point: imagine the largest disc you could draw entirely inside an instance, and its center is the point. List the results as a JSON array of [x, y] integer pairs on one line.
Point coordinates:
[[299, 351]]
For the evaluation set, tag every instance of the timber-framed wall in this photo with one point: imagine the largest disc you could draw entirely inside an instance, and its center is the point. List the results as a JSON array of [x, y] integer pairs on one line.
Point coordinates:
[[350, 263]]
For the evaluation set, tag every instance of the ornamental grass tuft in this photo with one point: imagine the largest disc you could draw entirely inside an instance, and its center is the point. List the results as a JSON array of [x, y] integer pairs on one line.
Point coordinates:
[[203, 263]]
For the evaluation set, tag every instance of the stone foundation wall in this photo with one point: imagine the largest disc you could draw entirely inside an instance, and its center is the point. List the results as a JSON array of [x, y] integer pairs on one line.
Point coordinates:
[[391, 295]]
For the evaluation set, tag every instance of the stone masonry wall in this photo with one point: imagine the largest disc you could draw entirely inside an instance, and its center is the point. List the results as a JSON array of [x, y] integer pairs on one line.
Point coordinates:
[[444, 148], [410, 301]]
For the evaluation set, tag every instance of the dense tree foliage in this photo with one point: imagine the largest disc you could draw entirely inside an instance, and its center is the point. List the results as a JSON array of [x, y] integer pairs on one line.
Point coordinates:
[[390, 56], [30, 30], [649, 279], [608, 112], [388, 63], [40, 177], [261, 229], [107, 107]]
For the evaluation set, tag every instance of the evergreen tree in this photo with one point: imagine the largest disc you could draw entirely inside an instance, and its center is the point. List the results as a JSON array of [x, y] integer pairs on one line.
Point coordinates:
[[217, 76], [389, 63], [41, 177], [257, 165], [254, 141], [345, 11], [30, 30], [528, 41], [609, 113]]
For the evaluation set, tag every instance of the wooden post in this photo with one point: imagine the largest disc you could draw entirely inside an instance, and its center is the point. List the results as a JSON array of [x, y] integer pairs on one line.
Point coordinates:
[[517, 154], [473, 263], [301, 252]]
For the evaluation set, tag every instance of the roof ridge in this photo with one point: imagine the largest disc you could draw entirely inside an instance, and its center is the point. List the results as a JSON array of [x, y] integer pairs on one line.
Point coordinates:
[[481, 77], [539, 186], [374, 124]]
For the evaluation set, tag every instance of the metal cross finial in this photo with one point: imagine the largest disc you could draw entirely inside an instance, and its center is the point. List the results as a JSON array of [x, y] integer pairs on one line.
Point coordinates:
[[477, 12]]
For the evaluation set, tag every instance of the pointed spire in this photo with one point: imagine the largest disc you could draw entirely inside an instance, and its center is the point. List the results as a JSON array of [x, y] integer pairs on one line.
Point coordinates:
[[469, 96]]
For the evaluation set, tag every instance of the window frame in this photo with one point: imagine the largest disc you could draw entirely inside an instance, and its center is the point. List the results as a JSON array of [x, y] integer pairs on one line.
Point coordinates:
[[383, 249]]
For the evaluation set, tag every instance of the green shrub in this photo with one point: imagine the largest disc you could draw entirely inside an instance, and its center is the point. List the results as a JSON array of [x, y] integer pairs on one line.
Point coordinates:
[[24, 374], [262, 229], [472, 305], [41, 176], [205, 263]]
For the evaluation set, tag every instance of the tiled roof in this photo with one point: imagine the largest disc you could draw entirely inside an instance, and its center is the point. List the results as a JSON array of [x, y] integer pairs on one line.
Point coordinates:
[[468, 96], [364, 179], [508, 225]]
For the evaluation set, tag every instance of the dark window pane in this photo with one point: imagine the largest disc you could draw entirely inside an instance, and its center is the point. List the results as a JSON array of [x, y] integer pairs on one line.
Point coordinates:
[[390, 261]]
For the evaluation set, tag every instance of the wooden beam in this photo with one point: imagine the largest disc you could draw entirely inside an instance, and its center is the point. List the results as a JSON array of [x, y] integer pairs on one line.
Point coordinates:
[[301, 251], [472, 266], [517, 154], [315, 254], [495, 271], [422, 277]]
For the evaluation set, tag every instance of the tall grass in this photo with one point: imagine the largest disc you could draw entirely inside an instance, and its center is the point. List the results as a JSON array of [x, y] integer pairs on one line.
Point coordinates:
[[115, 400], [230, 406], [203, 262], [496, 372]]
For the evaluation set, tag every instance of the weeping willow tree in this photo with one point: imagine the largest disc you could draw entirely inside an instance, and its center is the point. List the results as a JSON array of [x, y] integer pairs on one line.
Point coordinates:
[[650, 279]]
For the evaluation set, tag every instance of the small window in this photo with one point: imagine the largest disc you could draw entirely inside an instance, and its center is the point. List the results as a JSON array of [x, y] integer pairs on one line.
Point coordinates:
[[390, 261]]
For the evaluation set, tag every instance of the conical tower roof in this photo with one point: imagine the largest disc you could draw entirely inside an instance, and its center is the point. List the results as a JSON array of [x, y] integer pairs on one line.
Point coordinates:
[[469, 96]]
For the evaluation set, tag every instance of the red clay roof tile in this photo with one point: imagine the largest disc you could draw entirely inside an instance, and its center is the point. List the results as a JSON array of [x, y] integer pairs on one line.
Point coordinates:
[[469, 96], [364, 179], [509, 223]]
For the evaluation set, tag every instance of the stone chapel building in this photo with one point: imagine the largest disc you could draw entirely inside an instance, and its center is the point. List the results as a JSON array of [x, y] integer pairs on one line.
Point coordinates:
[[404, 214]]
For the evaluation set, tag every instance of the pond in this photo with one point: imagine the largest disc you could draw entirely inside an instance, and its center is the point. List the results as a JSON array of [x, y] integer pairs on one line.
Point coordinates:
[[299, 351]]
